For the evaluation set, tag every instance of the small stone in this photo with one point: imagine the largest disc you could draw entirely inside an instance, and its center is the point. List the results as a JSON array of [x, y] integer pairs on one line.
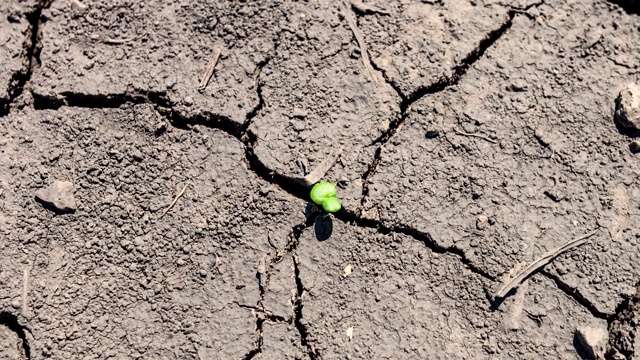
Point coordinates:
[[554, 195], [634, 146], [179, 285], [594, 340], [517, 87], [628, 107], [350, 333], [299, 113], [347, 271], [265, 189], [482, 222], [137, 155], [54, 156], [58, 195]]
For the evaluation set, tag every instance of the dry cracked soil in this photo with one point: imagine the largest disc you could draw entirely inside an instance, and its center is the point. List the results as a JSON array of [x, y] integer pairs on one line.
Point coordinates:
[[145, 217]]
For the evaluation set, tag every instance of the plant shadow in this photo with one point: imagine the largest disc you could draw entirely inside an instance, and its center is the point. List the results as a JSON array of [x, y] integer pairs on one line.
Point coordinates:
[[322, 222], [323, 227]]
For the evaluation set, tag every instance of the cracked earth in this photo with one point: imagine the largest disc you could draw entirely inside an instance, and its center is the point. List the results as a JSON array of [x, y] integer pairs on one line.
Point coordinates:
[[476, 136]]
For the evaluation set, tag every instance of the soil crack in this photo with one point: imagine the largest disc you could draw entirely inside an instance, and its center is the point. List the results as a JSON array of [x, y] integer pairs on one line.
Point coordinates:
[[408, 100], [297, 311], [164, 106], [215, 121], [32, 46], [425, 238], [575, 295], [256, 80], [264, 276]]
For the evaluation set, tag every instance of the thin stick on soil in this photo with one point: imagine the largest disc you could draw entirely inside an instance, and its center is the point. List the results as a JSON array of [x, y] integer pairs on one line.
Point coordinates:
[[112, 41], [321, 170], [25, 291], [209, 72], [540, 263], [175, 200], [215, 266], [475, 136], [351, 20]]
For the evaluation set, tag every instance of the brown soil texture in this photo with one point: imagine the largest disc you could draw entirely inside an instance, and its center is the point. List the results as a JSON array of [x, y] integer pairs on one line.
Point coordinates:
[[474, 136]]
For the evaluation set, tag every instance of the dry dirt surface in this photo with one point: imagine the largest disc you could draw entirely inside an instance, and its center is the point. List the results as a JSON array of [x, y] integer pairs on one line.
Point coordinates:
[[144, 216]]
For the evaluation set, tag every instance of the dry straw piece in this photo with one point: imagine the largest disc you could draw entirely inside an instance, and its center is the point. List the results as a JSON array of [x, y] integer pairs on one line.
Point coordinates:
[[541, 262]]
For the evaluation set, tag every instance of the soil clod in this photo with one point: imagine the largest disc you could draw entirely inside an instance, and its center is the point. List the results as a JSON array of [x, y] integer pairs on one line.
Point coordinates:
[[482, 222], [593, 340], [58, 196], [623, 329], [628, 107]]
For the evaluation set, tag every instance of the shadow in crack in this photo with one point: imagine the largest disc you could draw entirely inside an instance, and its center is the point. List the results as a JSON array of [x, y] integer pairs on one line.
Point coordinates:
[[11, 321], [582, 352], [323, 227], [629, 6]]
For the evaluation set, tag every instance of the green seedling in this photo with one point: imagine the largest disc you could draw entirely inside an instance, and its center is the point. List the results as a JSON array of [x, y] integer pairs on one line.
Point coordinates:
[[324, 194]]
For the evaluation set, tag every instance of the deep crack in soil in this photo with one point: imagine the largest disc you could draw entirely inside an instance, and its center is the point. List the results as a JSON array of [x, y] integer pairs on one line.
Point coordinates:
[[297, 310], [11, 322], [164, 106], [575, 295], [262, 314], [32, 46], [629, 6]]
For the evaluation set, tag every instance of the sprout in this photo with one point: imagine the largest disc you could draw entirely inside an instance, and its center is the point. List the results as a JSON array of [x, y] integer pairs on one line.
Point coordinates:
[[331, 205], [324, 194]]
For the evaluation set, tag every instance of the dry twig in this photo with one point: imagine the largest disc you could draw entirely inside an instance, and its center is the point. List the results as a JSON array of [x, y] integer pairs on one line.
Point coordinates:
[[175, 200], [320, 171], [112, 41], [209, 72], [351, 20], [539, 263], [475, 136], [25, 291]]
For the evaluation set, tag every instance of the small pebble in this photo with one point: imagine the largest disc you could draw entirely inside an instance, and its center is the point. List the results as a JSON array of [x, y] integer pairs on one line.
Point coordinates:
[[628, 107], [482, 222]]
